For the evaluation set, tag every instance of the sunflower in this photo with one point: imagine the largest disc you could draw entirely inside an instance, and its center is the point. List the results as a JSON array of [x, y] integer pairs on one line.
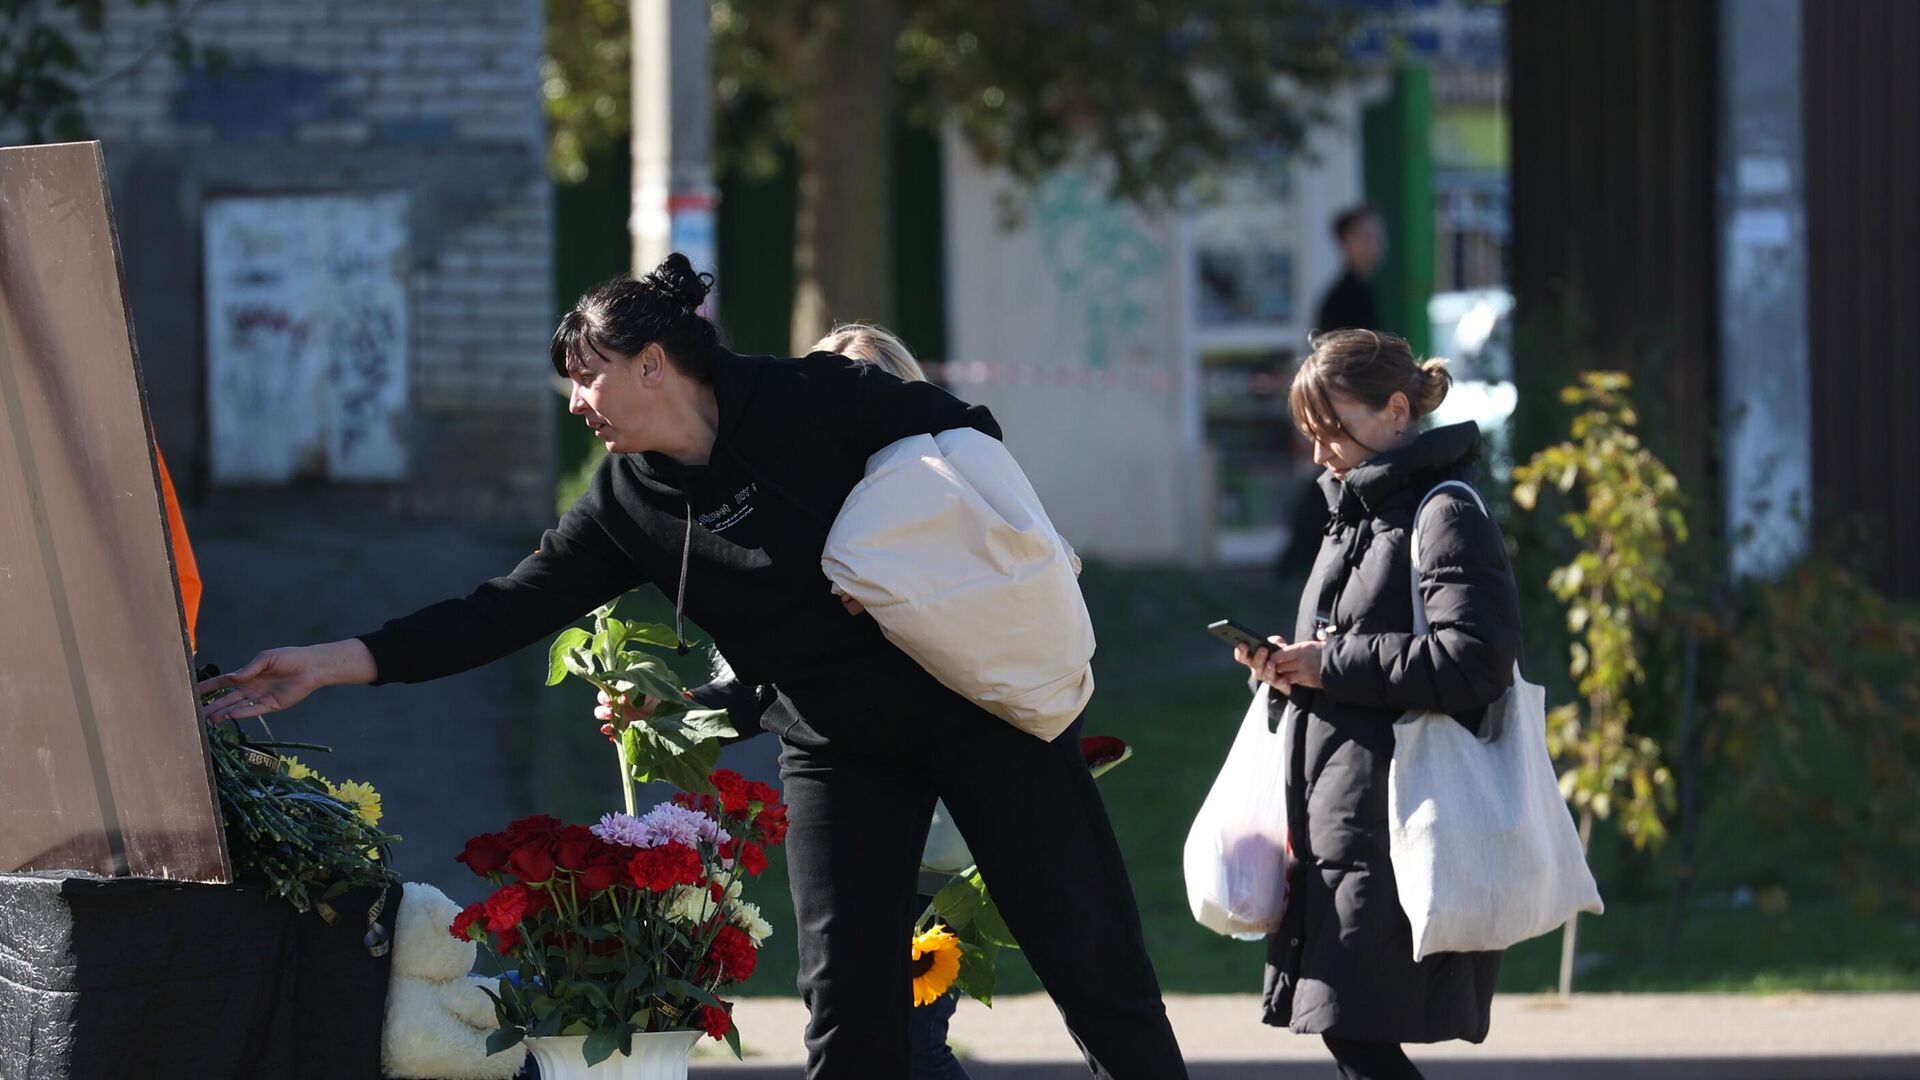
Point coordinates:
[[936, 963]]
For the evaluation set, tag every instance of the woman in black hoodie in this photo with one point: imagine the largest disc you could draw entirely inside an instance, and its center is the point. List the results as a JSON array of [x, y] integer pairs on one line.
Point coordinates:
[[1342, 964], [723, 474]]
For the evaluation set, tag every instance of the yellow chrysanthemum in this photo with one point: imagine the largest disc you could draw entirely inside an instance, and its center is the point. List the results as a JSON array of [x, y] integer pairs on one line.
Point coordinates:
[[361, 796], [936, 963], [299, 771]]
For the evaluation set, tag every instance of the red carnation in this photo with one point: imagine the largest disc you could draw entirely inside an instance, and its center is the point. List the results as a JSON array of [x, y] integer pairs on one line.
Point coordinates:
[[509, 938], [753, 858], [733, 791], [732, 956], [605, 870], [761, 793], [464, 921], [574, 846], [531, 863], [658, 869], [536, 829], [507, 907], [484, 854], [715, 1022], [772, 824]]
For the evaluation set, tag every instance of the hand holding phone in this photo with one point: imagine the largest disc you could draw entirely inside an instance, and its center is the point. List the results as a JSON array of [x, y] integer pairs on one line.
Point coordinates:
[[1241, 637], [1234, 633]]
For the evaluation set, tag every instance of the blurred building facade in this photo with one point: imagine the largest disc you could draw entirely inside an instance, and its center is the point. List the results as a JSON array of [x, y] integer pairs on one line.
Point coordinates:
[[337, 247], [1139, 361]]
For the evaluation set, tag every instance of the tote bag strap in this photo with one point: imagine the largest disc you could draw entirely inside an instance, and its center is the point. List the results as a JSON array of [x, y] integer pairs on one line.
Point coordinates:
[[1413, 554], [1490, 726]]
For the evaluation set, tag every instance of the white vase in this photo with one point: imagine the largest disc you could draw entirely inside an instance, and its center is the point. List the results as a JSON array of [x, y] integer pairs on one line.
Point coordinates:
[[656, 1055]]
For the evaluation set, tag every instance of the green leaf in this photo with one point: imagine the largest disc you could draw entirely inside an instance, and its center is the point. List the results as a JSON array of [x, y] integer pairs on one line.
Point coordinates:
[[569, 639], [733, 1043], [505, 1038], [579, 661], [653, 634], [640, 675], [960, 902], [611, 639], [689, 771], [977, 976], [601, 1043], [991, 927], [598, 996], [688, 990], [635, 977], [549, 1025]]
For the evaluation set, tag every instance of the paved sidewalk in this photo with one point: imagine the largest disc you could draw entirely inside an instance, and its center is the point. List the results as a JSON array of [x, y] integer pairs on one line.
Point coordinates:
[[1641, 1035]]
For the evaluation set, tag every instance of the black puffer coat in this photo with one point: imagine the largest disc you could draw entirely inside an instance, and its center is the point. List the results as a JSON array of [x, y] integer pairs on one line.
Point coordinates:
[[1343, 963]]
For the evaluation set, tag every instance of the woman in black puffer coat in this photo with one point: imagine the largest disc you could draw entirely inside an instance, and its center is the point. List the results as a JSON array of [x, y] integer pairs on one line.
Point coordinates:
[[1342, 965]]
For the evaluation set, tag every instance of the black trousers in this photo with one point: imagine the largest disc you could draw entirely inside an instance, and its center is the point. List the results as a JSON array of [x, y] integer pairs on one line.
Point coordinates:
[[1370, 1060], [860, 782]]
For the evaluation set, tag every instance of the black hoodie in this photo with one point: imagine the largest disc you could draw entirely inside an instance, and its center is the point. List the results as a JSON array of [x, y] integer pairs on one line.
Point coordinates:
[[748, 527]]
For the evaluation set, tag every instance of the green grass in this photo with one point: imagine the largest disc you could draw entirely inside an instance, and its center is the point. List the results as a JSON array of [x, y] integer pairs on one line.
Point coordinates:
[[1175, 695]]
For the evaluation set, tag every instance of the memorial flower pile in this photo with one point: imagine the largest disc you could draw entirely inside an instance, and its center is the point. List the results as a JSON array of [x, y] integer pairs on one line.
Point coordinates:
[[307, 838], [632, 924]]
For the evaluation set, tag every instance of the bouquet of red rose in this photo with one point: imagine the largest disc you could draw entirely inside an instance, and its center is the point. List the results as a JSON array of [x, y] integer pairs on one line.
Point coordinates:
[[631, 925]]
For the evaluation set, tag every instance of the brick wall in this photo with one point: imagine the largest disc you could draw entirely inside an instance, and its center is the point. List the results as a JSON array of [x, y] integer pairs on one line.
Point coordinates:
[[438, 100]]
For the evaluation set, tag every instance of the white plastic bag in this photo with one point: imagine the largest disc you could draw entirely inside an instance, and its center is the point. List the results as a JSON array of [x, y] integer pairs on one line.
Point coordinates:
[[1236, 855], [1484, 849]]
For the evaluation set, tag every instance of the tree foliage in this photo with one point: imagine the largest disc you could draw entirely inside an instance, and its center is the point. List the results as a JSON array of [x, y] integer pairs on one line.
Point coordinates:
[[1155, 91], [586, 82], [45, 75]]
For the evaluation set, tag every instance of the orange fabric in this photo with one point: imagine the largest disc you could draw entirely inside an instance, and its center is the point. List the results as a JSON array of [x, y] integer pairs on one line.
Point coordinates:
[[186, 570]]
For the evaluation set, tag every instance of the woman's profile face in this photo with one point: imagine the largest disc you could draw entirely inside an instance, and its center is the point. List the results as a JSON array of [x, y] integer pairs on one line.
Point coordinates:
[[612, 396], [1365, 432]]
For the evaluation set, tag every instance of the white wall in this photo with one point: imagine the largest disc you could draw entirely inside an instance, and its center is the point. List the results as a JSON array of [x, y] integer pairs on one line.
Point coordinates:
[[1068, 327], [1075, 326]]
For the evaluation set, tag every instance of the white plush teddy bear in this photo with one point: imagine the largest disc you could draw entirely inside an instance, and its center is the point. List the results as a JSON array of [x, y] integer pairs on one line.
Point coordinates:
[[438, 1018]]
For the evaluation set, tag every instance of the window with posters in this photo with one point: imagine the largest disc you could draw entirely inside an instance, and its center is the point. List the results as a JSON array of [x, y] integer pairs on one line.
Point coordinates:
[[1249, 311]]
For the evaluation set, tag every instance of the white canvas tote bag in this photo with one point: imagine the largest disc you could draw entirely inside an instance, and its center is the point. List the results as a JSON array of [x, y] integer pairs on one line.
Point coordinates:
[[1484, 848], [946, 544]]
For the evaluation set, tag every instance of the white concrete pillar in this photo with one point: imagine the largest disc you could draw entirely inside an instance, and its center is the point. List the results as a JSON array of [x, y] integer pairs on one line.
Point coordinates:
[[1766, 412], [674, 197]]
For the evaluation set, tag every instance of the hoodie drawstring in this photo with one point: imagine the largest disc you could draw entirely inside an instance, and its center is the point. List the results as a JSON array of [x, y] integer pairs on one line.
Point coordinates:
[[680, 601]]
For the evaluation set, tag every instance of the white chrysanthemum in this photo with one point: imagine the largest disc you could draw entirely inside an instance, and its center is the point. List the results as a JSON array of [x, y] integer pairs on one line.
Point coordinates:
[[746, 916], [690, 904]]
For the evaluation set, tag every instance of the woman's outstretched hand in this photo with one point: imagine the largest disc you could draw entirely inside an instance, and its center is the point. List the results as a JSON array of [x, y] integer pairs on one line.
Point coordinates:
[[281, 678]]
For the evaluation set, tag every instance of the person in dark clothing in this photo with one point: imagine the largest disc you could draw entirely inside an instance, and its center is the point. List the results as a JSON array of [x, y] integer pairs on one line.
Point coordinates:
[[1348, 305], [1342, 965], [722, 476]]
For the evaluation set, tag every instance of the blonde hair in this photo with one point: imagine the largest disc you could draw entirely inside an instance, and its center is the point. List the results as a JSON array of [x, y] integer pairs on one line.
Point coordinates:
[[874, 345], [1367, 366]]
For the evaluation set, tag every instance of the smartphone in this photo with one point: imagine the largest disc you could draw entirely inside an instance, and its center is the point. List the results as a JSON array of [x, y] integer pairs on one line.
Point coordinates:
[[1235, 634]]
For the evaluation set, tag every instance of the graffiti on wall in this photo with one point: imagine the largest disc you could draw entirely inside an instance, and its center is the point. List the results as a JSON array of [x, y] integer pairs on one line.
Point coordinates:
[[307, 337], [1103, 262]]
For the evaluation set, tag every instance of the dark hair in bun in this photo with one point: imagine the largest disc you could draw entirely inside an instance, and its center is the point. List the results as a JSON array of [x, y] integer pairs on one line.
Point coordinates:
[[618, 318]]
